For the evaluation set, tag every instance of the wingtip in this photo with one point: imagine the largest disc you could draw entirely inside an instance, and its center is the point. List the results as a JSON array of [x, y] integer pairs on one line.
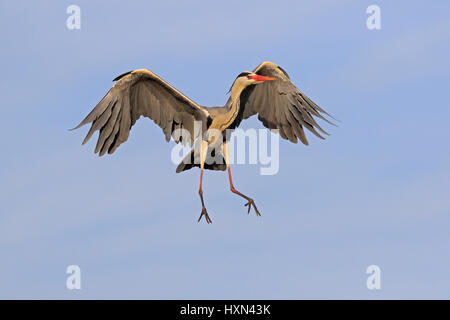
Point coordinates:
[[335, 119], [77, 127]]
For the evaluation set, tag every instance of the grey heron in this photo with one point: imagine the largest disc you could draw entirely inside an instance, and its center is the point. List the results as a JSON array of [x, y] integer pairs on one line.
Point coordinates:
[[267, 91]]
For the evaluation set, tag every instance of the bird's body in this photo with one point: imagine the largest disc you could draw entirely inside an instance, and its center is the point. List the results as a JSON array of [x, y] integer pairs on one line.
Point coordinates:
[[267, 91]]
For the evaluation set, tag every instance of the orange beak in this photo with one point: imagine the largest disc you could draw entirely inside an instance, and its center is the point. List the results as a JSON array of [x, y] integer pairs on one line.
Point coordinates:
[[257, 77]]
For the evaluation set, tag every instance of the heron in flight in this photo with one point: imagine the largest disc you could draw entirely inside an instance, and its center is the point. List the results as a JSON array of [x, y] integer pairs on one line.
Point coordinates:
[[266, 91]]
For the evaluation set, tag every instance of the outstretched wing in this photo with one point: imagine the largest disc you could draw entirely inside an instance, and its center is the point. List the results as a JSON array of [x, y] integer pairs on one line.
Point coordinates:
[[142, 93], [280, 105]]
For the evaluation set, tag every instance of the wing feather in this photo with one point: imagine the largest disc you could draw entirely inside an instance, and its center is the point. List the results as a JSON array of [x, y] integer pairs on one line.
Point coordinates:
[[141, 93], [281, 105], [107, 128], [107, 145]]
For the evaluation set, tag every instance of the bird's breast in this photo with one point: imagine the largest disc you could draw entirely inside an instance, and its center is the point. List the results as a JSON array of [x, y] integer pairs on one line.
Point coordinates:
[[223, 121]]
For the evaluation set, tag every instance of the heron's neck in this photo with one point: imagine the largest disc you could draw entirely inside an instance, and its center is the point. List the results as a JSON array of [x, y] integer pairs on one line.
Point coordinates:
[[235, 97], [233, 110], [224, 120]]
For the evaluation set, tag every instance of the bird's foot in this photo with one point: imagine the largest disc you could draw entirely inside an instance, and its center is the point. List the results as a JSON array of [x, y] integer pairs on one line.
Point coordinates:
[[204, 213], [251, 203]]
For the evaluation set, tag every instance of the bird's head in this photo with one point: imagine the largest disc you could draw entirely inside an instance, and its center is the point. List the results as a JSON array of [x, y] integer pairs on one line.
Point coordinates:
[[247, 78], [253, 78]]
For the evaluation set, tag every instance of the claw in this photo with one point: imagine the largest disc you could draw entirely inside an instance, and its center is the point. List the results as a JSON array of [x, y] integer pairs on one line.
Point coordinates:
[[204, 213], [251, 203]]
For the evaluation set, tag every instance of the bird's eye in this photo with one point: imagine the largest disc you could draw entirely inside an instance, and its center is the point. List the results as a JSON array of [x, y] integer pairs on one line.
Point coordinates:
[[249, 77]]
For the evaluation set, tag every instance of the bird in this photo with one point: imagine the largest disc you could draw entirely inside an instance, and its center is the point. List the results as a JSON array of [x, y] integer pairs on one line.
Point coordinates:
[[267, 92]]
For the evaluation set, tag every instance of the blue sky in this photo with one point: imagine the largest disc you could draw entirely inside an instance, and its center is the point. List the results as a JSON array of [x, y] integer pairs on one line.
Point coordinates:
[[375, 192]]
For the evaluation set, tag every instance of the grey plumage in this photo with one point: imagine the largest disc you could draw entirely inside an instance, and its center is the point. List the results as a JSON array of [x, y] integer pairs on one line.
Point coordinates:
[[141, 93], [278, 104], [267, 92]]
